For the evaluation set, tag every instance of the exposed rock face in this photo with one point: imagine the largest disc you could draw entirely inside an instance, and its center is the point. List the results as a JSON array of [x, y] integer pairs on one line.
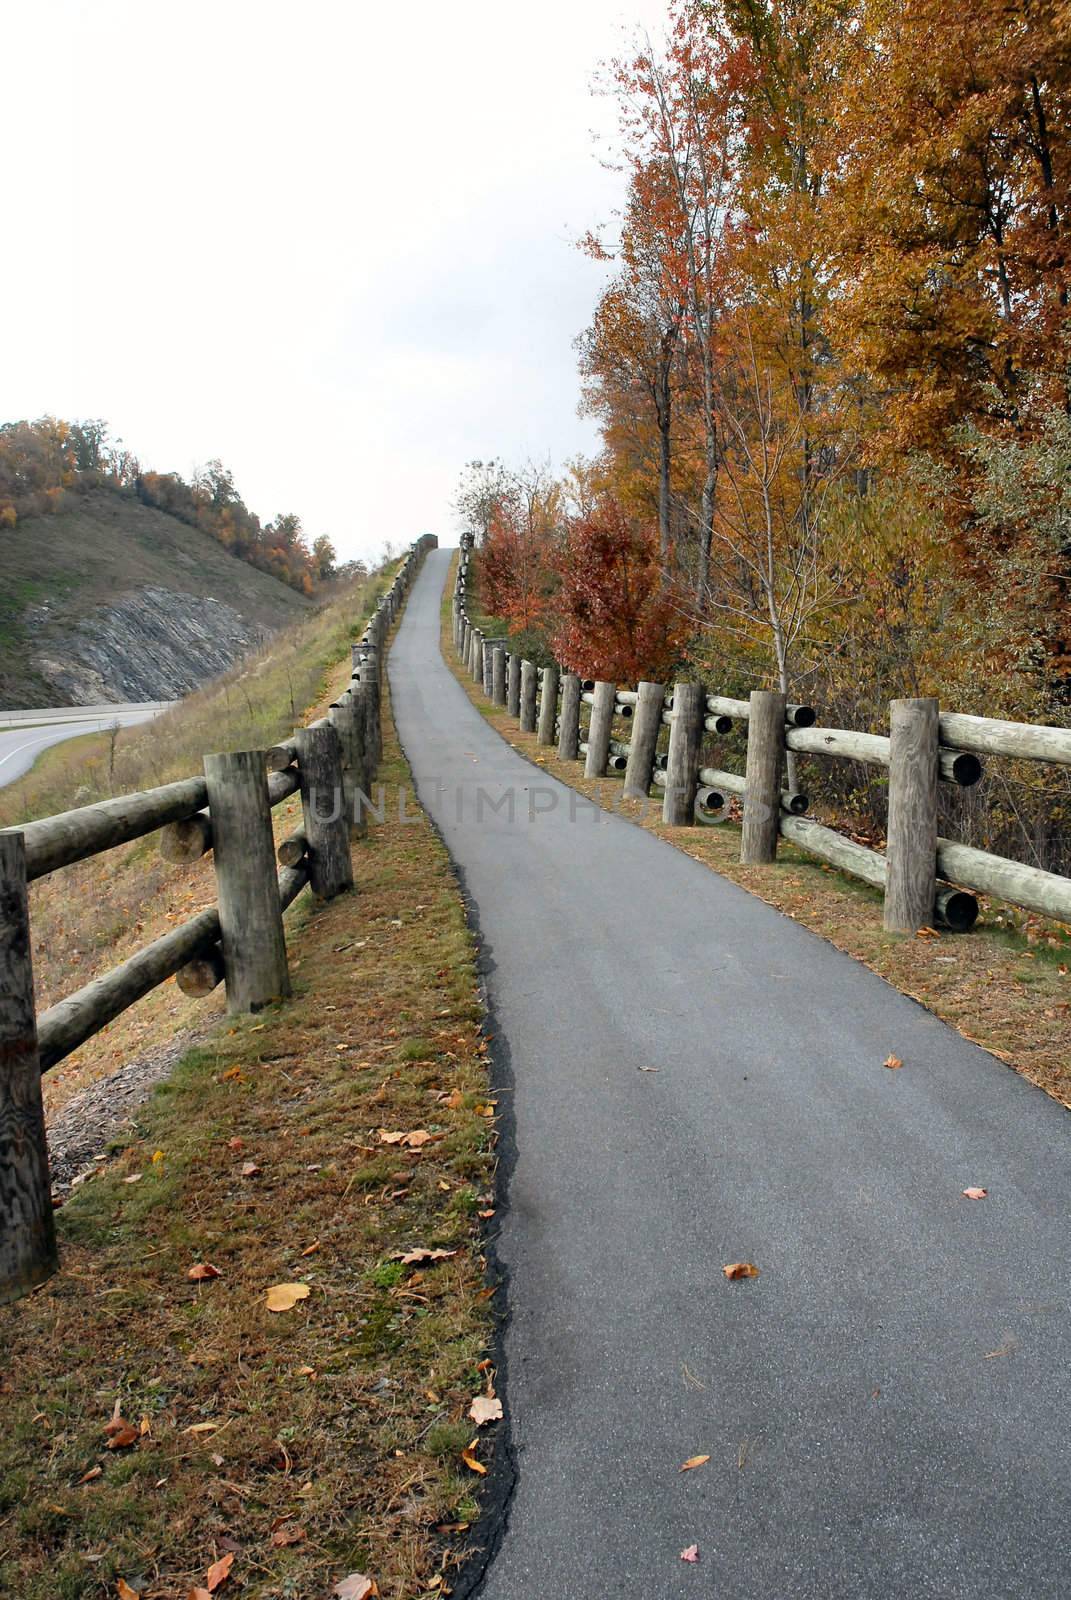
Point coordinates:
[[151, 644]]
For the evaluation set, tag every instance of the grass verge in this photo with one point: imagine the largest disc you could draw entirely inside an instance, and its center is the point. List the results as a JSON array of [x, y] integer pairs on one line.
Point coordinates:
[[326, 1439], [1005, 988]]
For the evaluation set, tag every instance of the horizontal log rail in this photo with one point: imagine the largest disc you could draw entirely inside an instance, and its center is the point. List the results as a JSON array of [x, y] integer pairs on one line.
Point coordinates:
[[239, 941], [934, 879]]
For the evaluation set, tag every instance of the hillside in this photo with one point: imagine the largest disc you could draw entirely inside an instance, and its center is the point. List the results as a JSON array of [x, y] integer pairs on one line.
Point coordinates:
[[114, 600]]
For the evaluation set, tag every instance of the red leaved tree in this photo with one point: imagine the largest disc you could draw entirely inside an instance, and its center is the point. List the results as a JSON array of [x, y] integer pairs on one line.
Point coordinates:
[[614, 621]]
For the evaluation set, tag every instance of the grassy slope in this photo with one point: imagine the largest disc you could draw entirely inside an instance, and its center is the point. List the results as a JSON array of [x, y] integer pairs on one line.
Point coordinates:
[[1008, 988], [107, 545], [98, 912], [320, 1441]]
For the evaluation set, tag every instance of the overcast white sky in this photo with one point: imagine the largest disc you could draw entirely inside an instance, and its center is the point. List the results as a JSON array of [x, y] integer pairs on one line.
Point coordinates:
[[330, 243]]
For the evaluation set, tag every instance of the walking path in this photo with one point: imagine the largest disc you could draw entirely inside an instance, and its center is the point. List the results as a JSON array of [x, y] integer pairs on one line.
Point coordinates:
[[887, 1407]]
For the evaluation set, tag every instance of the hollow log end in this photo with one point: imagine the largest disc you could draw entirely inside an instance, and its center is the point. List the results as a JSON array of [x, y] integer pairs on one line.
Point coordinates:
[[957, 909], [966, 769], [279, 758]]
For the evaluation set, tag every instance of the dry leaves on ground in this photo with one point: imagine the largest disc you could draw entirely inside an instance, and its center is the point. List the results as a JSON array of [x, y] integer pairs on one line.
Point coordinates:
[[355, 1587], [975, 1194], [408, 1257], [690, 1553], [740, 1269], [470, 1460], [485, 1408], [892, 1062], [285, 1296], [202, 1271], [694, 1461]]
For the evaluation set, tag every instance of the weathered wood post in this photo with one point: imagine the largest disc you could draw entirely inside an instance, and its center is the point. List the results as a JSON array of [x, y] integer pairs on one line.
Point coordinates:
[[368, 674], [476, 660], [646, 726], [911, 850], [569, 724], [599, 729], [548, 705], [528, 697], [513, 689], [324, 809], [489, 648], [763, 776], [250, 916], [498, 675], [682, 761], [27, 1233], [346, 718]]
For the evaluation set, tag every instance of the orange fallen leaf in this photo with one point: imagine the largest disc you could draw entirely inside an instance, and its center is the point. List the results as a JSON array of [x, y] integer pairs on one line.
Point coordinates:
[[892, 1062], [310, 1250], [690, 1553], [485, 1408], [285, 1296], [694, 1461], [125, 1592], [740, 1269], [121, 1436], [470, 1460], [201, 1271], [198, 1593], [292, 1534], [87, 1477], [219, 1572], [975, 1194]]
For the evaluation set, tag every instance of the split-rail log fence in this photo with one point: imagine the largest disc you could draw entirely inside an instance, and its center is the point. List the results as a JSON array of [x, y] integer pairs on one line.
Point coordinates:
[[926, 880], [239, 942]]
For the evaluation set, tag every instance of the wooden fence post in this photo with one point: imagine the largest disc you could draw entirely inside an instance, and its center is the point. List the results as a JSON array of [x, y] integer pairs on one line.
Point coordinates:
[[763, 777], [599, 729], [911, 850], [345, 717], [368, 675], [476, 660], [682, 761], [528, 697], [27, 1232], [250, 915], [513, 691], [498, 675], [323, 807], [569, 730], [548, 705], [646, 726]]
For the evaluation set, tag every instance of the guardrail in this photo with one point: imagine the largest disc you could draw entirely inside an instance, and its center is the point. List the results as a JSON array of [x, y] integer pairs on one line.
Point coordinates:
[[239, 942], [925, 879]]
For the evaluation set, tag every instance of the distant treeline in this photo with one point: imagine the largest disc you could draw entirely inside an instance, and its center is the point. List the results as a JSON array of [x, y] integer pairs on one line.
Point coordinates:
[[45, 465]]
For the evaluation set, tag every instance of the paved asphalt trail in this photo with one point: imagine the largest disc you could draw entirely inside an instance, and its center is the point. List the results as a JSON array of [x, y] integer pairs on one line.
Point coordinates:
[[886, 1407]]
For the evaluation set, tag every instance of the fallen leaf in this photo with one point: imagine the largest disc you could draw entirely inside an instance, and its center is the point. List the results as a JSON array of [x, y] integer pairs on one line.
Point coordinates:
[[470, 1460], [694, 1461], [740, 1269], [410, 1256], [121, 1435], [125, 1592], [288, 1535], [690, 1553], [310, 1250], [355, 1587], [236, 1143], [285, 1296], [203, 1270], [892, 1062], [135, 1177], [219, 1572], [975, 1194], [198, 1593], [87, 1477], [157, 1157], [201, 1427], [485, 1408], [249, 1169]]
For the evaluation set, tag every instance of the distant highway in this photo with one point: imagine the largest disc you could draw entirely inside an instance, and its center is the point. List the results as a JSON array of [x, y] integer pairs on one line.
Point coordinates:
[[24, 734]]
